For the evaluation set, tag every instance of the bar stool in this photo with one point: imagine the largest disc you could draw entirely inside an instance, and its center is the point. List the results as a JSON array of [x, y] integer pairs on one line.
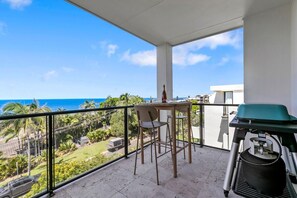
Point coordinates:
[[147, 116], [181, 118]]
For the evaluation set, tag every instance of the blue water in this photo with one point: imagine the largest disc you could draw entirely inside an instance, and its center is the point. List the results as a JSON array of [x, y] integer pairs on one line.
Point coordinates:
[[55, 104]]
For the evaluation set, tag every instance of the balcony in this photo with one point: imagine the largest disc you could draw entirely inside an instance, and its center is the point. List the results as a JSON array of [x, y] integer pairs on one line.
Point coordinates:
[[65, 165], [202, 178], [270, 69]]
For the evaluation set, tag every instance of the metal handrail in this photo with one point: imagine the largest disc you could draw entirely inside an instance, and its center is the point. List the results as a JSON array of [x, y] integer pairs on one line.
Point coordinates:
[[51, 131], [19, 116]]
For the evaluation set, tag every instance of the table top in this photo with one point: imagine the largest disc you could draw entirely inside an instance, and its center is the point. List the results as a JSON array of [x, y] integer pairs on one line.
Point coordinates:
[[181, 106], [275, 128]]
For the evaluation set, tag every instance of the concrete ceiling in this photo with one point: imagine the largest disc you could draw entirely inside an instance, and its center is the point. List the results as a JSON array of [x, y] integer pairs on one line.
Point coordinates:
[[175, 21]]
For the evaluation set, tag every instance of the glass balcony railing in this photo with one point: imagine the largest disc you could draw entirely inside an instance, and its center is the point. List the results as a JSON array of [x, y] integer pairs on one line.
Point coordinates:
[[214, 127], [49, 150]]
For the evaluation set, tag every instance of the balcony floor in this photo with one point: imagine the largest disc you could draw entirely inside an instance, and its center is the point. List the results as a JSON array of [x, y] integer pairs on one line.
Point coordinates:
[[201, 179]]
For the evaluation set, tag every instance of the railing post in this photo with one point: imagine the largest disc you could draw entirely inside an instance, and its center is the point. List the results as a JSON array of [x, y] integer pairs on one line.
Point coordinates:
[[201, 124], [126, 138], [50, 155]]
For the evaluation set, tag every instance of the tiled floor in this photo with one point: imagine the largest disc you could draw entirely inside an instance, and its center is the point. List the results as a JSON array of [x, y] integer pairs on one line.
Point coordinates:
[[201, 179]]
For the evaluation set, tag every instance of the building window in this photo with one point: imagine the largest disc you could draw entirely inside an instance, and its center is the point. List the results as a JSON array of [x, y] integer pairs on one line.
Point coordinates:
[[228, 97]]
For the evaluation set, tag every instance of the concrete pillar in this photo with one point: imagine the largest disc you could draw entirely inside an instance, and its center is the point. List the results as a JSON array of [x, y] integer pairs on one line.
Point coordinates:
[[164, 70], [294, 57], [267, 56], [164, 77]]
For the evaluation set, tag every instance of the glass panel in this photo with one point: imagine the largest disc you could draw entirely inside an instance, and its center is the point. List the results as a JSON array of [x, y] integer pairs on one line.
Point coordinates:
[[23, 156], [195, 116], [217, 132], [132, 129], [84, 141]]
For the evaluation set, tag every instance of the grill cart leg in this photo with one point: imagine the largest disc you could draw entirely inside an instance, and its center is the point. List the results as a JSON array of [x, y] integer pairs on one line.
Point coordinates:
[[238, 136], [230, 168], [288, 140], [294, 155], [290, 162]]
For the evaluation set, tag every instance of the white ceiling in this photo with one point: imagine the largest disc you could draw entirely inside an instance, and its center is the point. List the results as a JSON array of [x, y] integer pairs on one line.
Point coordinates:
[[175, 21]]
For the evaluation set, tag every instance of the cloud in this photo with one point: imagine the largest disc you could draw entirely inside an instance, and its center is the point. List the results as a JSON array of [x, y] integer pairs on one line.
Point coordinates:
[[67, 69], [108, 48], [185, 57], [223, 61], [3, 28], [148, 58], [188, 54], [141, 58], [193, 59], [232, 39], [111, 49], [49, 75], [224, 39], [18, 4]]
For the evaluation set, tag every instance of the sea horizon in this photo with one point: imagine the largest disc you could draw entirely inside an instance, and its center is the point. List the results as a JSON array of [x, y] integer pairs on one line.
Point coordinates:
[[58, 103], [55, 104]]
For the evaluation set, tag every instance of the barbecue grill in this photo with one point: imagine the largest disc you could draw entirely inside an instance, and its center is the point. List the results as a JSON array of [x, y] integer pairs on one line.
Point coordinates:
[[262, 119]]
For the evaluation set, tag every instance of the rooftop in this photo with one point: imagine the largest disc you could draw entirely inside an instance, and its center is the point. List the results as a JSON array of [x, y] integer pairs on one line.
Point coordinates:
[[238, 87]]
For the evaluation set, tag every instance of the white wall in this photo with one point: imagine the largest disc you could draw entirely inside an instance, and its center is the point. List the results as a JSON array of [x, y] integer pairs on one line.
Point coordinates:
[[218, 97], [267, 57], [294, 56], [238, 97]]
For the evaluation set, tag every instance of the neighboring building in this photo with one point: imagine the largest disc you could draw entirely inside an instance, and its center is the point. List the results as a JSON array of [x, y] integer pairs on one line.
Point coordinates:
[[217, 118], [202, 98], [227, 94]]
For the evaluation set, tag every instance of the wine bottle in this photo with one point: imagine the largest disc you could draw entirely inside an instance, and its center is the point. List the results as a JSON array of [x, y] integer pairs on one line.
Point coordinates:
[[164, 95]]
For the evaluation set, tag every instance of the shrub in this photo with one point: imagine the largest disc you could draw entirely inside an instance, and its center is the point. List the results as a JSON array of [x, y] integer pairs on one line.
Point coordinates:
[[98, 135], [67, 147], [67, 170], [9, 166]]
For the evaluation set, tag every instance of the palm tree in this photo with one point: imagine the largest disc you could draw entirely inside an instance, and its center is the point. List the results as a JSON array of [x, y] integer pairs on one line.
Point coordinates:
[[109, 102], [125, 97], [89, 104], [89, 116], [24, 125], [10, 131], [39, 123]]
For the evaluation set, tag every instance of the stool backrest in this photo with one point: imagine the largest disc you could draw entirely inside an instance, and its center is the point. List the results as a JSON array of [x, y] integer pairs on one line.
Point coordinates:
[[146, 113]]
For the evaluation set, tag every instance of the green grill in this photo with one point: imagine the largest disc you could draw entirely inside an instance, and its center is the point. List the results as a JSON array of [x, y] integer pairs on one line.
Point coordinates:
[[272, 113], [260, 119]]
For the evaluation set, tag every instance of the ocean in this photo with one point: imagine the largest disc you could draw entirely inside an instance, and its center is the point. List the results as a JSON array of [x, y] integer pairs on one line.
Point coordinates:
[[55, 104]]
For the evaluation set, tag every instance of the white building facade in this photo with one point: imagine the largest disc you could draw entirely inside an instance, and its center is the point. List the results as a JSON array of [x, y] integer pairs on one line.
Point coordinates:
[[217, 118]]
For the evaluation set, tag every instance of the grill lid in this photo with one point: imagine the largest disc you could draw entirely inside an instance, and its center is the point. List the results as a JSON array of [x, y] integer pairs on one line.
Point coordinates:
[[272, 113]]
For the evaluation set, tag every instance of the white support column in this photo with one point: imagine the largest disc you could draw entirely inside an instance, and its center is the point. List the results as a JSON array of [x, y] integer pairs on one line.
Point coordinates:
[[267, 56], [164, 70], [294, 57], [164, 77]]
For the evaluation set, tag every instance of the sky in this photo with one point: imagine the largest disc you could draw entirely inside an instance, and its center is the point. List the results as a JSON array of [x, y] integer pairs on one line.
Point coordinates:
[[52, 49]]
